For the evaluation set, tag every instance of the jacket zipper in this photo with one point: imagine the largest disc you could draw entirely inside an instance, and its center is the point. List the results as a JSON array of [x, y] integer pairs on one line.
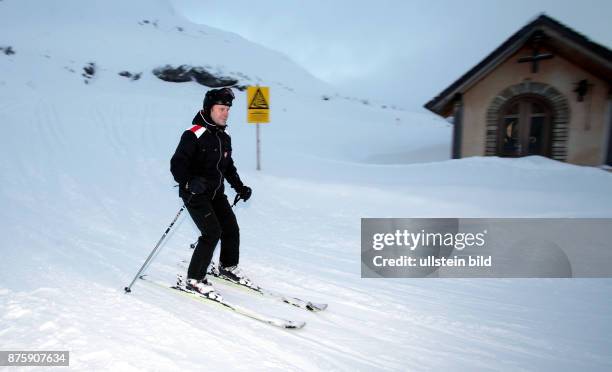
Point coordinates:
[[219, 161]]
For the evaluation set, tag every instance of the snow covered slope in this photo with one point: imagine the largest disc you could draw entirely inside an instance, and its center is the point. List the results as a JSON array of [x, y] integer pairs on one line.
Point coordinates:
[[136, 36], [86, 192]]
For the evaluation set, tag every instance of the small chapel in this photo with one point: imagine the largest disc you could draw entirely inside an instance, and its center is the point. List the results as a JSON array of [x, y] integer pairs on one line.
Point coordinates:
[[547, 90]]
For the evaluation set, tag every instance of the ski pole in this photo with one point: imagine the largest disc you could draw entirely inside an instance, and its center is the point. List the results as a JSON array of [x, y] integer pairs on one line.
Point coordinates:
[[236, 200], [144, 265]]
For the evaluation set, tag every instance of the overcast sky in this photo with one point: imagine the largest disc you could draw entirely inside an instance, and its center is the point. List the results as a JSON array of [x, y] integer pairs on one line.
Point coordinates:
[[395, 52]]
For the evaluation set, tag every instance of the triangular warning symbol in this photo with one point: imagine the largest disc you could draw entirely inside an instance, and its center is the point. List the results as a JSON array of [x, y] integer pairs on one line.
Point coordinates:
[[259, 101]]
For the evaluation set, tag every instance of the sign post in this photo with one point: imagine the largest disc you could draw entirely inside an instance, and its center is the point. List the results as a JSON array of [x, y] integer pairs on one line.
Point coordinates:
[[258, 111], [258, 147]]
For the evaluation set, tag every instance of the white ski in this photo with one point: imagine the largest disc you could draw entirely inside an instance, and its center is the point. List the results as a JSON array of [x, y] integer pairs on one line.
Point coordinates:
[[277, 322], [303, 304]]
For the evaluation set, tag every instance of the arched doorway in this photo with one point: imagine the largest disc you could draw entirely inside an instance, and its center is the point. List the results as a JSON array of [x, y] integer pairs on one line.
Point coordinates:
[[525, 127], [528, 118]]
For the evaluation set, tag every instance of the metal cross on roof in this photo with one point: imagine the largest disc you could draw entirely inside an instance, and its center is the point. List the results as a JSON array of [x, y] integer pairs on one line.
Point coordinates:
[[535, 56]]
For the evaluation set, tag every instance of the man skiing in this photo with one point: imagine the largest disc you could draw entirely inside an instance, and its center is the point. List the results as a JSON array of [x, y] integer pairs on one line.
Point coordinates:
[[201, 162]]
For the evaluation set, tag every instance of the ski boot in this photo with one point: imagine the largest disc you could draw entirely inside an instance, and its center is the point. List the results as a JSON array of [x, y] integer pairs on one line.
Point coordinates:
[[202, 287], [233, 274]]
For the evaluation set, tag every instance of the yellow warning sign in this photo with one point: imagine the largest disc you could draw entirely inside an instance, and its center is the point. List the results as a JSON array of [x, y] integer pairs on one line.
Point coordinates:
[[258, 104]]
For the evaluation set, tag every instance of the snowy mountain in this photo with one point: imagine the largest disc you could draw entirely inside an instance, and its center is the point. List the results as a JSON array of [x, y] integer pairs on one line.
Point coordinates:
[[86, 193]]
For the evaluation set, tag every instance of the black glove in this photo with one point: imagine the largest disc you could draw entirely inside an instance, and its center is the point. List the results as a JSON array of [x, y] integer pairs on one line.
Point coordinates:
[[196, 186], [245, 192]]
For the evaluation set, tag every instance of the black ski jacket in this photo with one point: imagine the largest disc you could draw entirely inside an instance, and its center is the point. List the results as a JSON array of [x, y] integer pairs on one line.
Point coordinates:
[[205, 150]]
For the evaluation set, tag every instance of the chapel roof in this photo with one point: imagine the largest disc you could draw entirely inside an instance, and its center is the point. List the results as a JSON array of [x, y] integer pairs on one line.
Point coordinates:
[[565, 41]]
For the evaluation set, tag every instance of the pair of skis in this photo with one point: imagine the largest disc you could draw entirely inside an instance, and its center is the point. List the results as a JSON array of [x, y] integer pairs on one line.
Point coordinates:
[[274, 321]]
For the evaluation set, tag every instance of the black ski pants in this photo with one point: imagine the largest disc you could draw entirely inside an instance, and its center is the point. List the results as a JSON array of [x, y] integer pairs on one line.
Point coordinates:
[[216, 221]]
